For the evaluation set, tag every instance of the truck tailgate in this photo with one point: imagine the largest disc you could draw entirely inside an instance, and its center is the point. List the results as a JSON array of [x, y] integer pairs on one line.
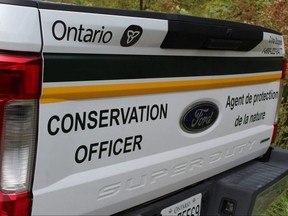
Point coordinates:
[[128, 114]]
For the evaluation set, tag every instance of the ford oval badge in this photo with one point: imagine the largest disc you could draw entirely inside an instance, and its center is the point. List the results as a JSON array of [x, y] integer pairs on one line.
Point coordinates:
[[199, 117]]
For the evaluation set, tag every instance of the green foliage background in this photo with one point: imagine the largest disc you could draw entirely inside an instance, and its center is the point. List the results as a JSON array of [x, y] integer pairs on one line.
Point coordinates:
[[268, 13]]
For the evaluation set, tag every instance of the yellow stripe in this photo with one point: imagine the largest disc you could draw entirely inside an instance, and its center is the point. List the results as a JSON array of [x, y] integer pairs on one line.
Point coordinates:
[[59, 94]]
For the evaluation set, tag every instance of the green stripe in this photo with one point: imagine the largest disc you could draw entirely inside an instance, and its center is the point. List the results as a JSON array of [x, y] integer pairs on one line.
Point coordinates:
[[80, 67]]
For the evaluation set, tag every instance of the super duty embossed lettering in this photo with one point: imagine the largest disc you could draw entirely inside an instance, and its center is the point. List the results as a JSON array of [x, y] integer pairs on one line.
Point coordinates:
[[175, 171]]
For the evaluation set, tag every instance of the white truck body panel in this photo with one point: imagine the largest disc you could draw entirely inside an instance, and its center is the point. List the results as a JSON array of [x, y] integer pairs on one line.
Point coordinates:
[[169, 158], [20, 32]]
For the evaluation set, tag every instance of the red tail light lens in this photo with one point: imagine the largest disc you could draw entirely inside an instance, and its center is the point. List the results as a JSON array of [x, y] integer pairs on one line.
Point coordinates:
[[274, 135], [19, 76], [20, 86], [16, 205]]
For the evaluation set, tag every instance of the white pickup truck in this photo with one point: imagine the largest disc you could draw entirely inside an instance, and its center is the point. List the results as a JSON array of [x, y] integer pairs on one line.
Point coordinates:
[[112, 112]]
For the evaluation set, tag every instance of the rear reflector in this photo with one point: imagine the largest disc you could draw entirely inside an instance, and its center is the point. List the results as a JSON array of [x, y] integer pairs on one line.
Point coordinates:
[[274, 135], [15, 204], [20, 85]]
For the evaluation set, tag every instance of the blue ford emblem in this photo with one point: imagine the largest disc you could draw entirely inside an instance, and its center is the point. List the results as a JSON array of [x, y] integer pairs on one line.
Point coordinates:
[[199, 117]]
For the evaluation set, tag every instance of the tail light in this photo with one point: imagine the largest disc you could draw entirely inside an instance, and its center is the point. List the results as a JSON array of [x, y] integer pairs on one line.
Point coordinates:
[[283, 76], [274, 135], [20, 86]]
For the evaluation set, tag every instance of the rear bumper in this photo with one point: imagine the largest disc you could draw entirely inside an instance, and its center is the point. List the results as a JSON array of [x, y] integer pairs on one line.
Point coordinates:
[[245, 190]]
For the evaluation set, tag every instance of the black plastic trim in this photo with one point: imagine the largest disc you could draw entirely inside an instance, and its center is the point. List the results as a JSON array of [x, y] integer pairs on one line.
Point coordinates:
[[205, 35], [153, 15], [87, 67], [27, 3]]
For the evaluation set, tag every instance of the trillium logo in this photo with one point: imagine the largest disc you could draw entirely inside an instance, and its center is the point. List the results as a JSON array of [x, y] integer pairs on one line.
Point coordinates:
[[131, 36]]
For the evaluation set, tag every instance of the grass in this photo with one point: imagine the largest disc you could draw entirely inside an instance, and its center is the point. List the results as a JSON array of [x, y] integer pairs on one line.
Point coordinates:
[[282, 135], [280, 206]]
